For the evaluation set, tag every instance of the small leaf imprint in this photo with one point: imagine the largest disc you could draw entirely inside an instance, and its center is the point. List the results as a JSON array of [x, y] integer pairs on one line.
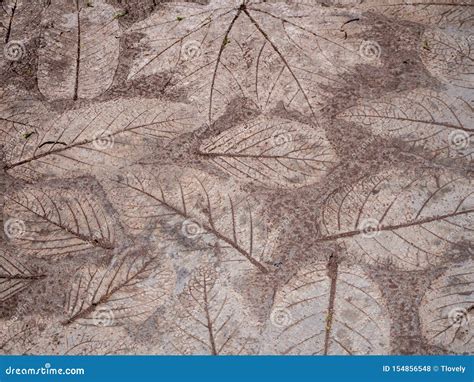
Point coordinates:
[[210, 318], [17, 336], [39, 336], [447, 309]]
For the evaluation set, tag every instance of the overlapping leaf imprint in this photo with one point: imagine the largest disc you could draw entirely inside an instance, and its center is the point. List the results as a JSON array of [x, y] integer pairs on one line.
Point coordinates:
[[20, 22], [21, 116], [16, 337], [39, 335]]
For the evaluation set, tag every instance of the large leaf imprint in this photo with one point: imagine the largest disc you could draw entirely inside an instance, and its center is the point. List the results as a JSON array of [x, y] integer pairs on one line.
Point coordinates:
[[211, 319], [409, 222], [447, 309], [58, 221], [194, 212], [440, 125], [269, 54], [80, 49], [96, 136], [329, 309], [271, 151]]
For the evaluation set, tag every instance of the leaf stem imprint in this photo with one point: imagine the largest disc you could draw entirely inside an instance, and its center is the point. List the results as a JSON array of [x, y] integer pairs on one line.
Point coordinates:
[[9, 29], [395, 226], [332, 273], [78, 56]]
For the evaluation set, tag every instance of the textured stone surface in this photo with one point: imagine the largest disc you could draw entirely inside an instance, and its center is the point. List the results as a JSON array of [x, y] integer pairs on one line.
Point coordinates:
[[236, 177]]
